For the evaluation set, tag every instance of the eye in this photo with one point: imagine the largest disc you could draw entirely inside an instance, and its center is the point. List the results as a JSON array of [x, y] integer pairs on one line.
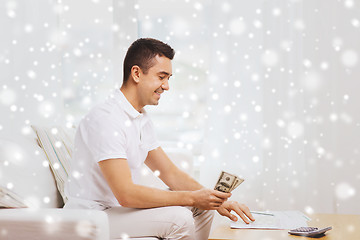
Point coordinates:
[[162, 77]]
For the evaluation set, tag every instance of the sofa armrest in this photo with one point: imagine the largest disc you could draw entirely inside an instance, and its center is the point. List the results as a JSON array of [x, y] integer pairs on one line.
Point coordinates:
[[53, 224]]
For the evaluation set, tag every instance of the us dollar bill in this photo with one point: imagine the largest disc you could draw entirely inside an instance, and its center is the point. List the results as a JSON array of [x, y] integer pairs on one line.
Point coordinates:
[[227, 182]]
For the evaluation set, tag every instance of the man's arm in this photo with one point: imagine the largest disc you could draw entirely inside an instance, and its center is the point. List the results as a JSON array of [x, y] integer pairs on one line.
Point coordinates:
[[178, 180], [118, 176], [170, 174]]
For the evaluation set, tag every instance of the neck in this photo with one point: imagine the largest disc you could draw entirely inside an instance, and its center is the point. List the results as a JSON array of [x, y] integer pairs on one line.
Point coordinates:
[[130, 95]]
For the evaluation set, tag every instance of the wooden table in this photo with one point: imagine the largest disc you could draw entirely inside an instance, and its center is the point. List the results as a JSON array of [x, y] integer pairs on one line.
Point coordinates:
[[345, 227]]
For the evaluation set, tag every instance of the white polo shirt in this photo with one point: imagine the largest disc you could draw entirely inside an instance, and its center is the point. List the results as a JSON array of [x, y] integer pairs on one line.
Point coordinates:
[[114, 129]]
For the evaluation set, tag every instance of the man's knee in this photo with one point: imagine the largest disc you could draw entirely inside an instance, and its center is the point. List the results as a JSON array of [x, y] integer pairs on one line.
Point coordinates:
[[203, 214], [182, 223], [209, 214], [183, 217]]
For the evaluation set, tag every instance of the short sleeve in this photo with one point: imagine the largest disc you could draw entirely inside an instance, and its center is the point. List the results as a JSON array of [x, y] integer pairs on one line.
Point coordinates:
[[148, 136], [104, 138]]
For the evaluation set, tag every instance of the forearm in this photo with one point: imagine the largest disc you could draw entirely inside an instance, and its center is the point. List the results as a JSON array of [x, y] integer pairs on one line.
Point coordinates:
[[138, 196], [170, 174], [181, 181]]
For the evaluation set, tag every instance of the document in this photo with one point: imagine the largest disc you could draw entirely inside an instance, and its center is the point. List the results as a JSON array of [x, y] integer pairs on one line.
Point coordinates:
[[274, 220]]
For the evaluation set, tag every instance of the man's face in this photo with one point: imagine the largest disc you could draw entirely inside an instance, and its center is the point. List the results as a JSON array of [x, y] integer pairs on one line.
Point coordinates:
[[155, 82]]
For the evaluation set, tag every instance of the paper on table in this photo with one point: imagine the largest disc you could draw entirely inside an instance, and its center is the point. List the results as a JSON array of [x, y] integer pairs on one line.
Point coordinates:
[[279, 220]]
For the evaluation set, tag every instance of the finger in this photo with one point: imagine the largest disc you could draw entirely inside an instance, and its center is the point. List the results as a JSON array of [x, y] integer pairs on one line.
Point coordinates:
[[248, 214], [243, 217], [218, 200], [216, 204], [240, 212], [228, 214], [214, 207], [221, 194]]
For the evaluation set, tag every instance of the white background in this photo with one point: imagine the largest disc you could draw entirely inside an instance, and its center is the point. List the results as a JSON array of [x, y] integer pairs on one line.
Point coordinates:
[[264, 89]]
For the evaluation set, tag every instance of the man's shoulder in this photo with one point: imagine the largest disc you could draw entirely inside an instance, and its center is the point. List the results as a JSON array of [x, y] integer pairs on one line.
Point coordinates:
[[105, 112]]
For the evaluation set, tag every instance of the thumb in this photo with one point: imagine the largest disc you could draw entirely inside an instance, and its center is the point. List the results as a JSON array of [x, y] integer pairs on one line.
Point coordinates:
[[227, 213]]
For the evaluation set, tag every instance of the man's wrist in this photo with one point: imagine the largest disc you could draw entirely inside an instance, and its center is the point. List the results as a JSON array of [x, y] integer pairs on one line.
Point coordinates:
[[189, 198]]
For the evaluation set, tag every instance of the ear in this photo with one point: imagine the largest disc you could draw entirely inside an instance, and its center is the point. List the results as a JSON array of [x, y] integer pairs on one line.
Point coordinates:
[[135, 73]]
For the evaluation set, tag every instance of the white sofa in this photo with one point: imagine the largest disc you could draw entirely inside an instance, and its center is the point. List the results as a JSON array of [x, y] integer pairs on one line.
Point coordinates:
[[53, 223], [24, 169]]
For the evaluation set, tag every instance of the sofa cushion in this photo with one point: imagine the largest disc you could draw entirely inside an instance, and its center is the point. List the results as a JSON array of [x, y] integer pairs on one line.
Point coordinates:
[[53, 224], [57, 144], [24, 171], [9, 199]]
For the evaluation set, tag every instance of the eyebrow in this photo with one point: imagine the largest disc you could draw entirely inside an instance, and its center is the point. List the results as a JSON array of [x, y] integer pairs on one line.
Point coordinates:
[[166, 73]]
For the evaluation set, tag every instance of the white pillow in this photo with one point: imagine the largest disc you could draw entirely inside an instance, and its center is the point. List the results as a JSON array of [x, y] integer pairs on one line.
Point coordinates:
[[24, 171], [57, 144], [9, 199]]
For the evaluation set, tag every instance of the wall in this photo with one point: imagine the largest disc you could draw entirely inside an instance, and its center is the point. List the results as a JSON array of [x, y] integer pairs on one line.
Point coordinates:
[[274, 96]]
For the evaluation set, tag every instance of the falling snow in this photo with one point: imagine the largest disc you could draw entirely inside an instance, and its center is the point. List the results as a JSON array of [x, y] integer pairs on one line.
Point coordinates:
[[268, 91]]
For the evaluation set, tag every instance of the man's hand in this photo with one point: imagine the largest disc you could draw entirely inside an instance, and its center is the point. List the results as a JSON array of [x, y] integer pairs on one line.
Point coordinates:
[[208, 199], [242, 210]]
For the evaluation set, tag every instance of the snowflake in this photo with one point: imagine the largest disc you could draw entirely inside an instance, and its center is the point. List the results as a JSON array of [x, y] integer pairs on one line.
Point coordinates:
[[85, 229], [355, 22], [349, 58], [276, 12], [157, 173], [295, 129], [299, 24], [270, 58], [237, 26], [125, 236], [344, 191], [311, 81], [309, 210], [8, 97], [349, 3]]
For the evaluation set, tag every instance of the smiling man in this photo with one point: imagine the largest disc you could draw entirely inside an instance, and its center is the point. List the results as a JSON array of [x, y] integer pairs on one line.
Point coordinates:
[[117, 137]]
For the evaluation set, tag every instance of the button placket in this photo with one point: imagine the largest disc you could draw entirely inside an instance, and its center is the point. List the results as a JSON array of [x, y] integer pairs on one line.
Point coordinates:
[[139, 119]]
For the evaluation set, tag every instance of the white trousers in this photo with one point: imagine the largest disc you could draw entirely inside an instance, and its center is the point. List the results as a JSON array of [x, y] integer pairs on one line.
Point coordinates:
[[163, 222]]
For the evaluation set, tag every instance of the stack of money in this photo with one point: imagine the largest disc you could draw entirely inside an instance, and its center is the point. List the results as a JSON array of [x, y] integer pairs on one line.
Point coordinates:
[[227, 182]]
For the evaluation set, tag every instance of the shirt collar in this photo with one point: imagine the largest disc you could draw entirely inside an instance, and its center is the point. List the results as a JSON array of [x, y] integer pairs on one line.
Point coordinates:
[[126, 105]]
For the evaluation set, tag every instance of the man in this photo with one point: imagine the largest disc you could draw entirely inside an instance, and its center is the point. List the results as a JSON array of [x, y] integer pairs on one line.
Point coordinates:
[[117, 137]]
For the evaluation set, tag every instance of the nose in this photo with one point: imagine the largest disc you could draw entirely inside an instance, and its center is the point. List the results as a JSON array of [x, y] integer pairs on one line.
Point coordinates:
[[165, 85]]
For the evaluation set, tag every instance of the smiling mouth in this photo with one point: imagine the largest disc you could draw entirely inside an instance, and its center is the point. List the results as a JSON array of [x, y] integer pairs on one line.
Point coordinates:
[[158, 93]]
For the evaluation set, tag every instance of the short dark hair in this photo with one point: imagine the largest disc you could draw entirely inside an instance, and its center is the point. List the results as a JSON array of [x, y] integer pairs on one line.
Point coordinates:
[[142, 53]]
